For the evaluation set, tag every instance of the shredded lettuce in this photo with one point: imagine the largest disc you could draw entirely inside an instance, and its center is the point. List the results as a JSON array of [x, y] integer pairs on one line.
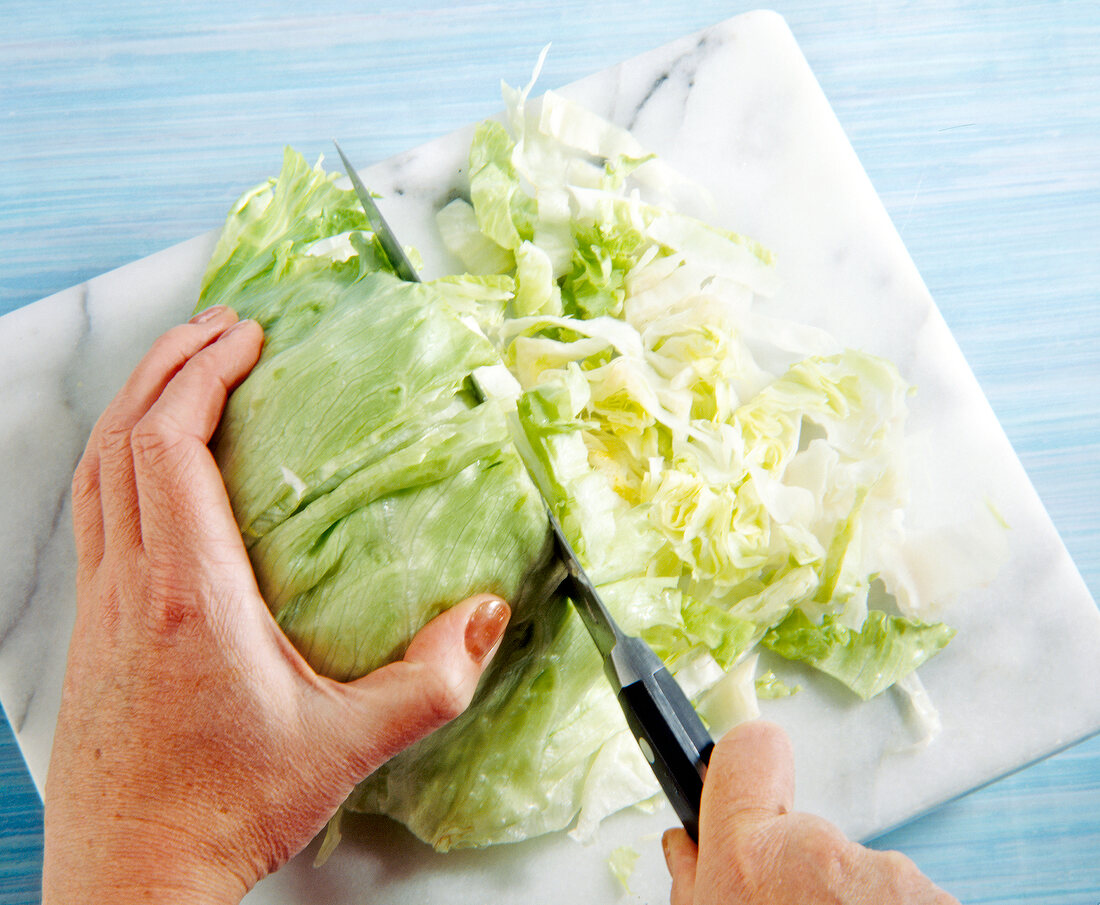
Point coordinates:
[[730, 479], [769, 687], [622, 861], [743, 475], [868, 660]]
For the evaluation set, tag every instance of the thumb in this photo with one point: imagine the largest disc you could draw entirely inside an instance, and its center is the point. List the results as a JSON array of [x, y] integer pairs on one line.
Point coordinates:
[[400, 703], [748, 787], [751, 773]]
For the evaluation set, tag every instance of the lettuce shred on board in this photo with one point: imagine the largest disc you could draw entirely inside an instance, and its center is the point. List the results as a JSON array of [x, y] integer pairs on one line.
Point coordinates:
[[732, 481]]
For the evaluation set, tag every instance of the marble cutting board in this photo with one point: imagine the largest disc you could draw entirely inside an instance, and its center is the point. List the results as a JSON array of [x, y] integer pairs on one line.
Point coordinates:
[[737, 107]]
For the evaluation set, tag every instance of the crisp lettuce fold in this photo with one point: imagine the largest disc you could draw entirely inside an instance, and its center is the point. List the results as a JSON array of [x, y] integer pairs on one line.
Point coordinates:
[[515, 764]]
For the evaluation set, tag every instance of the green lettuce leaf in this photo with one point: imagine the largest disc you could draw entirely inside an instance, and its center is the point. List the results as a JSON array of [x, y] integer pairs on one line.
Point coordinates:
[[868, 660], [504, 213]]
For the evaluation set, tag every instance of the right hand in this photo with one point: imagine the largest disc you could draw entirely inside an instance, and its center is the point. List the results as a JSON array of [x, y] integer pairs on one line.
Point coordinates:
[[755, 850]]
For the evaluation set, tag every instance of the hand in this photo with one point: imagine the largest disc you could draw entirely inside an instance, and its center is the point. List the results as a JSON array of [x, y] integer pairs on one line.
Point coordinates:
[[753, 850], [196, 751]]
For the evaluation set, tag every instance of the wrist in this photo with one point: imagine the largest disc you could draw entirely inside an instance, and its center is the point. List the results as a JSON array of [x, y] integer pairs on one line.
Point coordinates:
[[135, 862]]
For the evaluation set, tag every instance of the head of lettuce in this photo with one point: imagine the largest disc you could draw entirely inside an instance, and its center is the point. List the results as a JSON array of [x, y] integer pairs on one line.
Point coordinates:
[[374, 488]]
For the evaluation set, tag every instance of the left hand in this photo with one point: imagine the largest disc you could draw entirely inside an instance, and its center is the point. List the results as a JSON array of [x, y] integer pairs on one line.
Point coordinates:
[[196, 750]]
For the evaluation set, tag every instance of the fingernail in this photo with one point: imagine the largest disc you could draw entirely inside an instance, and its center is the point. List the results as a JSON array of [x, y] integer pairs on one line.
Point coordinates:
[[240, 325], [208, 314], [486, 626]]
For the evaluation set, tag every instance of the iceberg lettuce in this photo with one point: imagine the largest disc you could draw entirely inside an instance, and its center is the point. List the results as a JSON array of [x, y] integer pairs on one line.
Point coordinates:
[[355, 454], [729, 479], [374, 488]]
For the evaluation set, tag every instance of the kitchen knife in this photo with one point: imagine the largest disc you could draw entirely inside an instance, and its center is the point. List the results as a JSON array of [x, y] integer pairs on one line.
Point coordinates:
[[670, 733]]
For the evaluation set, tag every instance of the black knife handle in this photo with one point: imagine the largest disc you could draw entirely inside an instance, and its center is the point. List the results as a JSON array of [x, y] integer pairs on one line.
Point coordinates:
[[672, 738]]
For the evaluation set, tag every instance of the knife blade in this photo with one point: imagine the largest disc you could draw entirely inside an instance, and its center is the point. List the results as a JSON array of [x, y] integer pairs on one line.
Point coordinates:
[[400, 262], [668, 730]]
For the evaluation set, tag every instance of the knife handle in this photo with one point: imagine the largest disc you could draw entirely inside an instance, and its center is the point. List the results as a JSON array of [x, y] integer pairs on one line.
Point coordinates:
[[672, 738]]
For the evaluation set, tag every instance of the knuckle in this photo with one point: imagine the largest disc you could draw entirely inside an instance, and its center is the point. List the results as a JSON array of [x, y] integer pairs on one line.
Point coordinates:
[[206, 366], [898, 863], [112, 433], [904, 880], [443, 701], [169, 612], [750, 867], [101, 600], [173, 603], [831, 851], [753, 854], [907, 872], [835, 860], [174, 346], [153, 439], [106, 597], [823, 836]]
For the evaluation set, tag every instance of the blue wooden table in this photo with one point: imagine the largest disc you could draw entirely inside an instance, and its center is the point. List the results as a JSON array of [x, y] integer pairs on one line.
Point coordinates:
[[129, 129]]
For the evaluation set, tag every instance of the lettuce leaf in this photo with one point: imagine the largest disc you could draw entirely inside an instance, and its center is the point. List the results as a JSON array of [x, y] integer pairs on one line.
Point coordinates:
[[868, 660]]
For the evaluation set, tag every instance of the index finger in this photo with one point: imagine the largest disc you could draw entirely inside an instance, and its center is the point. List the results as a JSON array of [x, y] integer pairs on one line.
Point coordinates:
[[682, 859], [110, 454], [182, 500]]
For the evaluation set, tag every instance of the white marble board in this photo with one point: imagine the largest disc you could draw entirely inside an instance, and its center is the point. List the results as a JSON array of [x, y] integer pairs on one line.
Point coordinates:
[[736, 107]]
